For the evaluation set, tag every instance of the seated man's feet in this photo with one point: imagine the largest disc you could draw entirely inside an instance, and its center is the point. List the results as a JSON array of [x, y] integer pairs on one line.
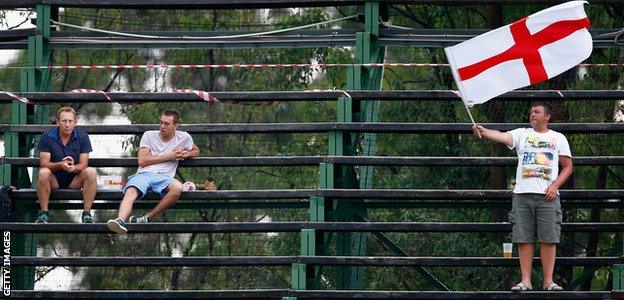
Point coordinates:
[[87, 218], [117, 226], [142, 219], [43, 217], [553, 287], [521, 287]]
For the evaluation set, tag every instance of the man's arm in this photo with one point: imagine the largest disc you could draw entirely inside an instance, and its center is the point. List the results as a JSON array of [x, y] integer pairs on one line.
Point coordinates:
[[566, 171], [146, 158], [493, 135], [190, 154], [44, 162], [84, 163]]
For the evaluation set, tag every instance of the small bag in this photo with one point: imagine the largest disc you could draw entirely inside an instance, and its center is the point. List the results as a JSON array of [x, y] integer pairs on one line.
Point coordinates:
[[8, 211]]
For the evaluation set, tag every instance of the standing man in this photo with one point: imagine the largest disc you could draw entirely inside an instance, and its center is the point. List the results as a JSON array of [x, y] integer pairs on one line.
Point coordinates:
[[159, 153], [536, 206], [63, 163]]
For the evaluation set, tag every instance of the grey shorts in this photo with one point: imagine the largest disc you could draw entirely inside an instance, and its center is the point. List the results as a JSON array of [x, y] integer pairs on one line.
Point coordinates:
[[531, 215]]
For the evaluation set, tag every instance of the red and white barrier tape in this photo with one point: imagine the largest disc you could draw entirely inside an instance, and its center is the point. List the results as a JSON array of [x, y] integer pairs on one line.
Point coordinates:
[[206, 96], [257, 66], [201, 94], [237, 66], [90, 91], [328, 90], [16, 97]]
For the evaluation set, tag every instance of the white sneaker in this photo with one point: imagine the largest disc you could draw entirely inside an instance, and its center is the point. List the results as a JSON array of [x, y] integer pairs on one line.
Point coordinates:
[[142, 219]]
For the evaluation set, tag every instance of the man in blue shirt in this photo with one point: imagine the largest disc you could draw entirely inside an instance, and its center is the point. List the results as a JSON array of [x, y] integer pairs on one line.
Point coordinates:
[[63, 164]]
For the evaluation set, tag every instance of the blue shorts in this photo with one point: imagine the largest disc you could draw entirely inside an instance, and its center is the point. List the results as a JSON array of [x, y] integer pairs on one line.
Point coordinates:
[[148, 181]]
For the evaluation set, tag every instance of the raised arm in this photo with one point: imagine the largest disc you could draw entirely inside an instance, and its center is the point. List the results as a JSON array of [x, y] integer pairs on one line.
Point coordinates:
[[493, 135]]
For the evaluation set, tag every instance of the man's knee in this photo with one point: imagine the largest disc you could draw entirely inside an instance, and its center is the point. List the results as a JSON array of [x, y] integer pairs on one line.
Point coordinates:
[[175, 189], [89, 173], [131, 192], [45, 175]]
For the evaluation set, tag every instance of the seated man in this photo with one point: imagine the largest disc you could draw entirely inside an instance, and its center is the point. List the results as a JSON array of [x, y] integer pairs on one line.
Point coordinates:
[[159, 153], [63, 163]]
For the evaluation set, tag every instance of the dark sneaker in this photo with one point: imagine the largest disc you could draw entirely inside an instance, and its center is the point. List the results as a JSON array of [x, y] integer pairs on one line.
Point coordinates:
[[117, 226], [87, 218], [143, 219], [43, 217]]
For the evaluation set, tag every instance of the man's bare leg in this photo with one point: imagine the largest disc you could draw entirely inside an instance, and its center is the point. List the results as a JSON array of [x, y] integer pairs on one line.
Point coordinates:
[[172, 196], [525, 254], [87, 180], [125, 207], [46, 182], [547, 256]]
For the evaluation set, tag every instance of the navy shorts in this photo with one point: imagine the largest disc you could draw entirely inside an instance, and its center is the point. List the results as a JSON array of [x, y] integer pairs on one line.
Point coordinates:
[[64, 180]]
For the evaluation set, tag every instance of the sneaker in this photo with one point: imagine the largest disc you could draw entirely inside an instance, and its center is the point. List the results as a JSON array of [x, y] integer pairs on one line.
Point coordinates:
[[117, 226], [142, 219], [87, 218], [43, 217]]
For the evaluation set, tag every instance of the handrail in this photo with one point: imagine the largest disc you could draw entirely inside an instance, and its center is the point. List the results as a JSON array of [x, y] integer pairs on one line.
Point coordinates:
[[251, 161], [323, 127], [389, 194], [255, 227], [315, 96], [288, 260]]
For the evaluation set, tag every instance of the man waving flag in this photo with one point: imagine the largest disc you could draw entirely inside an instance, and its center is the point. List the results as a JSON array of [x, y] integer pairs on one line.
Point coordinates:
[[528, 51]]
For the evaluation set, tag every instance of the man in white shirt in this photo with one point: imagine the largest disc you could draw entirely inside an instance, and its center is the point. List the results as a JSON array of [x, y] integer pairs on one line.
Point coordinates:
[[536, 206], [159, 153]]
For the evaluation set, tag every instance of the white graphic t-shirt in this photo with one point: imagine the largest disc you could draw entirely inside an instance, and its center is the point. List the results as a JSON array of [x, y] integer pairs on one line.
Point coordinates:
[[538, 158], [151, 140]]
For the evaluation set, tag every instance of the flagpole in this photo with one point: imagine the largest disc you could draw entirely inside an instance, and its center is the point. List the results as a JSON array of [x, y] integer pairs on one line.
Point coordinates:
[[470, 115]]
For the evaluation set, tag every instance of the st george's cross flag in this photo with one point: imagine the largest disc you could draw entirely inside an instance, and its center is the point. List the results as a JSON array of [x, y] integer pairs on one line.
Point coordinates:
[[528, 51]]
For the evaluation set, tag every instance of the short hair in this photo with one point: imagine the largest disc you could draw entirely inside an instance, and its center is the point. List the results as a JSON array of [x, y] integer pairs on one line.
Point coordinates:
[[66, 109], [171, 113], [548, 109]]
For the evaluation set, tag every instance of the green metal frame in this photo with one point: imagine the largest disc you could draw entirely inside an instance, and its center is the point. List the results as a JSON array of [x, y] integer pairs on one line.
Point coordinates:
[[618, 273], [341, 143], [618, 277], [19, 145]]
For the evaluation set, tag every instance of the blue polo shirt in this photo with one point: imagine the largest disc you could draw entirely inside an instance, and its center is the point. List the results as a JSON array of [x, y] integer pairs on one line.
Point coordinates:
[[51, 142]]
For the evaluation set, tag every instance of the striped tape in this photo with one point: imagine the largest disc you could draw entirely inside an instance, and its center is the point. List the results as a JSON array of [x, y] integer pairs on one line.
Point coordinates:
[[16, 97], [256, 66], [90, 91], [208, 97], [201, 94]]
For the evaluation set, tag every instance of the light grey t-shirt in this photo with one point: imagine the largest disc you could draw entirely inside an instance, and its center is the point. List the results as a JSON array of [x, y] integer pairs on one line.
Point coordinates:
[[151, 140]]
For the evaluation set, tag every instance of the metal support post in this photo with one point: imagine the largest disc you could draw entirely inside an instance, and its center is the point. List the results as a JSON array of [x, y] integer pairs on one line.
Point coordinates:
[[31, 80]]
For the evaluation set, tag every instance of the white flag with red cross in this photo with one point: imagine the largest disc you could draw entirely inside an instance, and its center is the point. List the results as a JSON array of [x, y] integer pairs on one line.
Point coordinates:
[[528, 51]]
